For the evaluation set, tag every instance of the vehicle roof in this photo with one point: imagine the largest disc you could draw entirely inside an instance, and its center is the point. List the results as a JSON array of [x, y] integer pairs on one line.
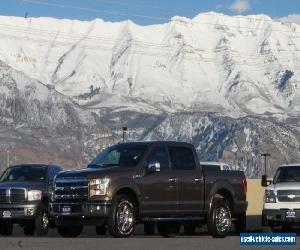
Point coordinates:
[[291, 165], [213, 163], [147, 143], [36, 165]]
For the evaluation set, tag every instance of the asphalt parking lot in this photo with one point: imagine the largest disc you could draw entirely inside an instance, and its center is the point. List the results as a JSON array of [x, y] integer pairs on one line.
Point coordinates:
[[89, 240]]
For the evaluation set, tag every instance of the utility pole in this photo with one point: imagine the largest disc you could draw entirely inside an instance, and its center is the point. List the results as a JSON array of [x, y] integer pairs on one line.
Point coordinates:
[[124, 129], [7, 158], [265, 155]]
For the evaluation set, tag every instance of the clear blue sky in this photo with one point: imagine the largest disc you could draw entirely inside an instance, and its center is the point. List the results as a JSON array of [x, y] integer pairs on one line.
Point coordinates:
[[130, 9]]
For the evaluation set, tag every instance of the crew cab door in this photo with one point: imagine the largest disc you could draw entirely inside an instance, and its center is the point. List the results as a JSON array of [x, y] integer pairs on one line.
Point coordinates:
[[159, 188], [190, 179]]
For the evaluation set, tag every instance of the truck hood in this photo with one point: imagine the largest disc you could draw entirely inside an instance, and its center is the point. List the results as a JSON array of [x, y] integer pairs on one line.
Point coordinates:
[[86, 172], [285, 186], [27, 185]]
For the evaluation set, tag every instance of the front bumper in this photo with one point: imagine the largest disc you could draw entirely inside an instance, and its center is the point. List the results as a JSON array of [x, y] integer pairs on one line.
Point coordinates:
[[19, 211], [80, 213], [281, 216]]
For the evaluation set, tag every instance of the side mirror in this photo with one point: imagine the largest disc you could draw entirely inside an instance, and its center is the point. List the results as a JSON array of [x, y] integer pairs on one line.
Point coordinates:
[[153, 167], [264, 181]]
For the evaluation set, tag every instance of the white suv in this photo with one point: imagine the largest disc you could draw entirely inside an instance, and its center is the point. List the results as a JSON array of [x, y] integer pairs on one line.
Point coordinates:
[[282, 199]]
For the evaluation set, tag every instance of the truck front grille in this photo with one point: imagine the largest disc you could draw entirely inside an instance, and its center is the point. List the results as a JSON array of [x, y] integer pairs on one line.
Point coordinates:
[[13, 195], [71, 189], [288, 195]]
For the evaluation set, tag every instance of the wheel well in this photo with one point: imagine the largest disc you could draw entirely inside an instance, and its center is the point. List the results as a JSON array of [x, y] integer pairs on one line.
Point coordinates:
[[224, 193], [129, 192]]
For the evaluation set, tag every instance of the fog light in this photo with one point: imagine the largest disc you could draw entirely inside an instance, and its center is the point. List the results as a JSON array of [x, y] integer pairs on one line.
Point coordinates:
[[98, 208], [30, 211]]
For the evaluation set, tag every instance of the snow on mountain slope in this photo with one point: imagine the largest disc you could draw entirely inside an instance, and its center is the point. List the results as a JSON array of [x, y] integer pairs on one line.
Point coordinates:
[[232, 65], [236, 141]]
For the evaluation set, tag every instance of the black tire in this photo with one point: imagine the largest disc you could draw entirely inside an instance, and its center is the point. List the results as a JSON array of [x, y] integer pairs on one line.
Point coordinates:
[[29, 229], [266, 227], [6, 228], [219, 219], [189, 229], [42, 222], [149, 228], [121, 208], [101, 230], [240, 223], [69, 231], [168, 229]]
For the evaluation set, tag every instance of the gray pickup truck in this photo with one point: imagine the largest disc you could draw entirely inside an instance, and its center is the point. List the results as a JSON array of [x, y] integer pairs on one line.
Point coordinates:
[[154, 183]]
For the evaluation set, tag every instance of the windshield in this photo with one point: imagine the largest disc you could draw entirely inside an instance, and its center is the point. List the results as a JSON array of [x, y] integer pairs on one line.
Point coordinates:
[[287, 174], [120, 155], [24, 174]]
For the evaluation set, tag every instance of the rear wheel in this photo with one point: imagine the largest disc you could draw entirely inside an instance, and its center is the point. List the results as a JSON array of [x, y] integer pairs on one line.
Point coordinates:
[[240, 223], [69, 231], [122, 218], [149, 228], [219, 218], [6, 228], [168, 229]]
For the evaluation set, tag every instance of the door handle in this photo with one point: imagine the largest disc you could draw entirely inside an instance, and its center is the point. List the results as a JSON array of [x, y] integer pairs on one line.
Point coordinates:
[[172, 179], [199, 179]]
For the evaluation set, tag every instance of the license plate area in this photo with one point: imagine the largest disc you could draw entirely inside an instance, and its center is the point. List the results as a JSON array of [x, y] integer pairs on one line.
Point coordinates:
[[290, 214], [66, 210]]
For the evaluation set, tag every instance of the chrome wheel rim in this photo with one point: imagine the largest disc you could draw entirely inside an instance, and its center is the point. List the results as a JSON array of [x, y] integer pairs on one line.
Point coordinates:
[[223, 219], [45, 221], [125, 217]]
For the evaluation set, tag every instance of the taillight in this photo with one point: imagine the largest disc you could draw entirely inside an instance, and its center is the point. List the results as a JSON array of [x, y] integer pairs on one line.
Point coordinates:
[[245, 186]]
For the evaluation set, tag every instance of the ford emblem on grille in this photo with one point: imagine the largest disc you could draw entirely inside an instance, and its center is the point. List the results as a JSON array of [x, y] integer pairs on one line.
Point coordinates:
[[291, 196]]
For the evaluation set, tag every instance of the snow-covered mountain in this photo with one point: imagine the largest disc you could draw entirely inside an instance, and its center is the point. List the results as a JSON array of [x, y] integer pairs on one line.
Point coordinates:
[[95, 76], [234, 65]]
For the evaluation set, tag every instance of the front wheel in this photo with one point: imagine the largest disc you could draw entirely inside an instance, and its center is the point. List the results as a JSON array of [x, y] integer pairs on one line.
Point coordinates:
[[6, 228], [42, 223], [122, 218], [69, 231], [219, 218]]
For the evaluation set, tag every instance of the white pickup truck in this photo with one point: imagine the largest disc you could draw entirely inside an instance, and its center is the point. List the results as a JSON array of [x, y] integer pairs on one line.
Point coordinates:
[[282, 199]]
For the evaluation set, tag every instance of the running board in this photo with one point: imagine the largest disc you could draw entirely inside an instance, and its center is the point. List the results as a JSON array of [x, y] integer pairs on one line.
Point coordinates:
[[173, 219]]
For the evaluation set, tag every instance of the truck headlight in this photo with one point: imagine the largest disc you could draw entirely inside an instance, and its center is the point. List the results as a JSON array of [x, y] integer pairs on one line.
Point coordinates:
[[270, 196], [34, 195], [98, 186]]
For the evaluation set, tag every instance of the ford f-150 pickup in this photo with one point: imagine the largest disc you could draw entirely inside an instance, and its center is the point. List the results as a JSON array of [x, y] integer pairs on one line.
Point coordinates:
[[158, 183]]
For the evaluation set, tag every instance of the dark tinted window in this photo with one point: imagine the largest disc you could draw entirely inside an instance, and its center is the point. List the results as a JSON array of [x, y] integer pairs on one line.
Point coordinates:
[[287, 174], [159, 154], [25, 173], [119, 155], [182, 158], [210, 167]]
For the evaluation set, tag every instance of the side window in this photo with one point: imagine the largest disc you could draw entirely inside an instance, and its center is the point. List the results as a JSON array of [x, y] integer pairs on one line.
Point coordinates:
[[160, 154], [182, 158]]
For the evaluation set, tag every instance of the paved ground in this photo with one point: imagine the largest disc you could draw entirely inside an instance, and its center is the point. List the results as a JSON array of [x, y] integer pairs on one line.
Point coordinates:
[[89, 240]]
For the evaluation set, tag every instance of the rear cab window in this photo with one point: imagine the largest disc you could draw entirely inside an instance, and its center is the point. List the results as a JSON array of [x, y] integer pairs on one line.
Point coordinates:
[[182, 158]]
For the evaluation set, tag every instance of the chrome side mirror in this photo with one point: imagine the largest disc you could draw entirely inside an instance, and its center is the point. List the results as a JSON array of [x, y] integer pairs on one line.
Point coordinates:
[[153, 167]]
